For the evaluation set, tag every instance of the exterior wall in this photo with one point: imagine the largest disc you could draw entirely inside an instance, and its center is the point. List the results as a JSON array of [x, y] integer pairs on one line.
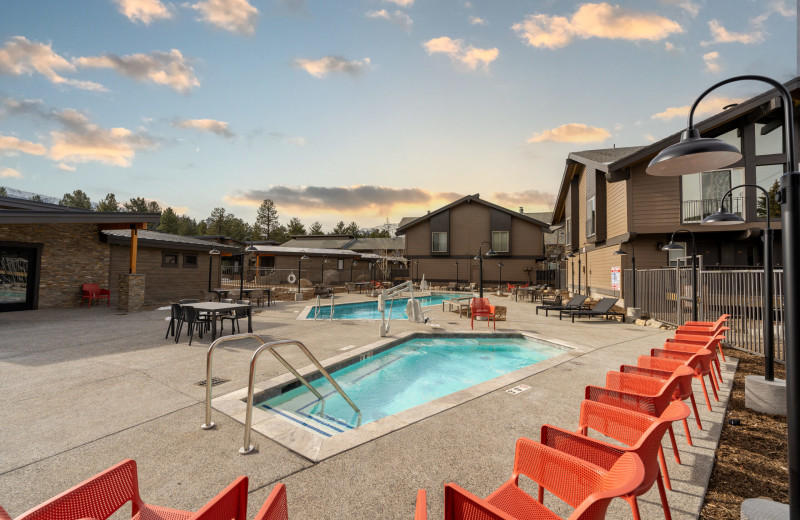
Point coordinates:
[[656, 201], [162, 284], [418, 240], [444, 270], [617, 209], [469, 226], [71, 256], [581, 241]]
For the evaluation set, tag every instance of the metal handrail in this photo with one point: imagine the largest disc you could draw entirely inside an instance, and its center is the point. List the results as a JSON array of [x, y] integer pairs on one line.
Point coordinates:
[[249, 448]]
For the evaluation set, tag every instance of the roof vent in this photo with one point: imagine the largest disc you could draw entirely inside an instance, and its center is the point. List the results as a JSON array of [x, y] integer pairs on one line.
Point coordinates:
[[521, 210]]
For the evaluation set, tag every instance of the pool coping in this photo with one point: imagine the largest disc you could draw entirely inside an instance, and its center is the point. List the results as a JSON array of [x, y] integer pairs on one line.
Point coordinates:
[[316, 448]]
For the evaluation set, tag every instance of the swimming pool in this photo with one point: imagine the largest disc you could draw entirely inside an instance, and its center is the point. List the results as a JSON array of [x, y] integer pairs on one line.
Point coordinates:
[[412, 373], [369, 310]]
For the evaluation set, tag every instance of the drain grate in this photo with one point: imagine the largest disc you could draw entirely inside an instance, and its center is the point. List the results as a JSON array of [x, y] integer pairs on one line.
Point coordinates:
[[214, 381]]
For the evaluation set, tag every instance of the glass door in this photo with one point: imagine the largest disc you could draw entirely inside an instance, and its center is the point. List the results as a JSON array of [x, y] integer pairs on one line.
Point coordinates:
[[18, 277]]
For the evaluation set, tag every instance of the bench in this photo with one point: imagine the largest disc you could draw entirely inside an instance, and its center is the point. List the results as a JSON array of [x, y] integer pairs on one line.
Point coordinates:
[[457, 304]]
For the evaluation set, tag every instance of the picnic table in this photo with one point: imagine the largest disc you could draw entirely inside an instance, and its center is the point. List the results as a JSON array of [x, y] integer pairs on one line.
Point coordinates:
[[461, 304]]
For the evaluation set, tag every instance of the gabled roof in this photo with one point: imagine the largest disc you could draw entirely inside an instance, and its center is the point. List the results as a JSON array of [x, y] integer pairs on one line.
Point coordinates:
[[405, 224], [377, 243], [155, 239], [320, 241], [22, 211], [311, 251]]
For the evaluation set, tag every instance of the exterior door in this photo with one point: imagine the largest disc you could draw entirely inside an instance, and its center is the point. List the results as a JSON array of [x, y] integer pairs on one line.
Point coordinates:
[[19, 276]]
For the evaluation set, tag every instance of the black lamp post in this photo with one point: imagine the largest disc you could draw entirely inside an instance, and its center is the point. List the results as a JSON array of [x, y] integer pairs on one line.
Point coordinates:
[[621, 251], [250, 249], [322, 270], [211, 255], [572, 265], [723, 217], [693, 155], [579, 272], [672, 246], [489, 253], [456, 273], [500, 279], [352, 264], [299, 266], [416, 263]]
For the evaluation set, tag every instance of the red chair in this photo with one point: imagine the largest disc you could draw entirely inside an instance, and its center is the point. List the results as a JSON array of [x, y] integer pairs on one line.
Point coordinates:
[[481, 307], [691, 343], [92, 291], [699, 361], [586, 487], [275, 507], [100, 496], [641, 434]]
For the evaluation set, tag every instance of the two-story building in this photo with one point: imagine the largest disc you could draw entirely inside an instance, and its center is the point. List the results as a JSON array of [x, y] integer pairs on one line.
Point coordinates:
[[443, 244], [607, 202]]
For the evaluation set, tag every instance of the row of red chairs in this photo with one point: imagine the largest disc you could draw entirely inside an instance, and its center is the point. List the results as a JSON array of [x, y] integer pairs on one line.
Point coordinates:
[[636, 407]]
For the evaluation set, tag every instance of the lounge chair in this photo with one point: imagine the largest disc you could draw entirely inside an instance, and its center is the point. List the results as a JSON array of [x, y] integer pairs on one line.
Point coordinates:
[[575, 303], [601, 308]]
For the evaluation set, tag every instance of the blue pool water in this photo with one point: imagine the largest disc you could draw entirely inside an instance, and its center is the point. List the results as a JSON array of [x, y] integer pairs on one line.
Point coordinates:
[[402, 377], [369, 310]]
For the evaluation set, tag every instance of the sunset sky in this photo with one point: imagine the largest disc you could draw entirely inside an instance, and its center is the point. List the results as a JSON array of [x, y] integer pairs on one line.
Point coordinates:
[[357, 110]]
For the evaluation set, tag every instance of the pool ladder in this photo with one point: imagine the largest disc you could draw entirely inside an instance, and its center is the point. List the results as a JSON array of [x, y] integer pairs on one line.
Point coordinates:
[[247, 447], [317, 308]]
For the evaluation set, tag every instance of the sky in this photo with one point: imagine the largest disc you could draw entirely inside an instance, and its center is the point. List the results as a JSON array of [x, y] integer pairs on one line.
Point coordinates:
[[358, 110]]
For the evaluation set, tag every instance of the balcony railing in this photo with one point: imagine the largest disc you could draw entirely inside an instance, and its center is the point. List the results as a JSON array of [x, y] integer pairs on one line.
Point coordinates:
[[693, 211]]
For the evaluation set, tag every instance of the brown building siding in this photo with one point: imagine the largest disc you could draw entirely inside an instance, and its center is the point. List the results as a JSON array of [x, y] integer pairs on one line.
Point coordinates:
[[418, 240], [656, 201], [617, 211], [71, 255]]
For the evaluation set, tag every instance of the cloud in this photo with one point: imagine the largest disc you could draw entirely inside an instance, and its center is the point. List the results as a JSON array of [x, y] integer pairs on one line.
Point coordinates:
[[471, 57], [594, 20], [523, 198], [720, 34], [144, 11], [22, 56], [206, 125], [349, 199], [294, 6], [711, 60], [10, 145], [232, 15], [163, 68], [10, 173], [398, 18], [571, 133], [324, 66], [693, 8], [296, 141], [669, 47], [649, 138], [401, 3], [66, 167], [476, 20], [708, 106], [82, 141]]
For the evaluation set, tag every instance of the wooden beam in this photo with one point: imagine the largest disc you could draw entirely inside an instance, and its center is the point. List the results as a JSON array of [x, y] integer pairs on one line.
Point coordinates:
[[134, 244], [136, 225]]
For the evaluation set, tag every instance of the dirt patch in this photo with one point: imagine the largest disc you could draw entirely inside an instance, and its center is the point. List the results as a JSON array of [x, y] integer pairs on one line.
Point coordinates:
[[751, 460]]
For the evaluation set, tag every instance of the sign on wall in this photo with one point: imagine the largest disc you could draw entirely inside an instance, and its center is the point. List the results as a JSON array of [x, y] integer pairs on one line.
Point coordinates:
[[615, 278]]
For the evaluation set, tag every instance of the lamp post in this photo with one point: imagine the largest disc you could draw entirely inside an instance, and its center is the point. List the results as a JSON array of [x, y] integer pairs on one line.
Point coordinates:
[[579, 273], [694, 154], [322, 270], [621, 251], [723, 217], [489, 253], [250, 249], [416, 263], [299, 266], [456, 273], [672, 246], [500, 278], [211, 255], [572, 265]]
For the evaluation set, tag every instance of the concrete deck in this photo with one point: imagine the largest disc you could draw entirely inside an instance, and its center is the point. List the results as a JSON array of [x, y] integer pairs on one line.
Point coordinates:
[[82, 389]]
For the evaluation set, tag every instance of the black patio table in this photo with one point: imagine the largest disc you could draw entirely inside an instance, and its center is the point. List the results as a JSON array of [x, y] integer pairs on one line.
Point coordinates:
[[214, 308], [267, 293], [221, 293]]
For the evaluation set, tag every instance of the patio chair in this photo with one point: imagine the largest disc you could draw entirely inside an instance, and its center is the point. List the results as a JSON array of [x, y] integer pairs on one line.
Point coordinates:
[[206, 296], [699, 362], [695, 335], [257, 295], [175, 315], [275, 506], [688, 344], [602, 308], [575, 303], [194, 320], [641, 434], [4, 514], [92, 291], [103, 494], [234, 318], [481, 307]]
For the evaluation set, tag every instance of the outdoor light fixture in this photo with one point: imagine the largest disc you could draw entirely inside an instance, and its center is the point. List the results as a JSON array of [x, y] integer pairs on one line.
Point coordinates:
[[621, 251], [672, 246], [723, 218], [299, 264], [251, 248], [684, 158], [489, 253], [352, 264], [500, 279], [211, 255]]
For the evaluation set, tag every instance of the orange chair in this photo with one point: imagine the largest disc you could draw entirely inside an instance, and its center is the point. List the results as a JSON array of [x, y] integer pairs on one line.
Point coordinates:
[[275, 507], [714, 344], [92, 291], [708, 324], [641, 433], [584, 486], [481, 307], [100, 496], [4, 515], [699, 361]]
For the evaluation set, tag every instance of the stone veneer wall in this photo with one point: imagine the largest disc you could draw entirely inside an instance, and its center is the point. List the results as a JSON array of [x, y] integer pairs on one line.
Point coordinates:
[[131, 292], [72, 255]]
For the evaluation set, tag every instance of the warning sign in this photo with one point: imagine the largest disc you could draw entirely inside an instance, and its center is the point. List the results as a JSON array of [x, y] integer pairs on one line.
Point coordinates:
[[615, 278]]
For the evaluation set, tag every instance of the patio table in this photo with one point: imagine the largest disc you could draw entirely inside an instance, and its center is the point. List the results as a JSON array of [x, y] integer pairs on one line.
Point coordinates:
[[221, 293], [215, 308]]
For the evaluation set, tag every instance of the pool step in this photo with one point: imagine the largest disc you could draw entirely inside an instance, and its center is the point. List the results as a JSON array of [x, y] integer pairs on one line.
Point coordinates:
[[321, 425]]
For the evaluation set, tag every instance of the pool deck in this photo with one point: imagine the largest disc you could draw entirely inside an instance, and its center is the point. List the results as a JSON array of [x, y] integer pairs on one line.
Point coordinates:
[[82, 389]]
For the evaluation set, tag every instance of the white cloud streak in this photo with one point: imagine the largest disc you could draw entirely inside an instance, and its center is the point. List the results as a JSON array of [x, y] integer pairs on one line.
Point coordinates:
[[711, 59], [162, 68], [10, 173], [708, 106], [477, 20], [332, 64], [467, 55], [11, 145], [237, 16], [145, 11], [571, 133], [21, 56], [213, 126], [398, 18]]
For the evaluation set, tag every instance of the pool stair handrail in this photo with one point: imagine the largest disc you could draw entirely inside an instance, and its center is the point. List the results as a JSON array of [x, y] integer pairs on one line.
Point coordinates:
[[247, 447], [318, 308], [387, 293]]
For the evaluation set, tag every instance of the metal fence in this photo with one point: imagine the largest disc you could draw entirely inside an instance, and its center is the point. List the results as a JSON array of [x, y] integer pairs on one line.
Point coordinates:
[[232, 276], [665, 295]]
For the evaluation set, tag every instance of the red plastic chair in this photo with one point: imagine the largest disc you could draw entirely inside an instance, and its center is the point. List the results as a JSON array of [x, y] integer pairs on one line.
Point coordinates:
[[275, 507], [708, 324], [4, 515], [586, 487], [481, 307], [100, 496], [92, 291], [641, 433], [699, 361], [685, 343]]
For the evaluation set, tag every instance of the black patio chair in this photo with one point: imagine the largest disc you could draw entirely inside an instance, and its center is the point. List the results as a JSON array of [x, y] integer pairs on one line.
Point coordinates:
[[601, 308], [194, 320], [575, 303], [174, 319], [234, 318]]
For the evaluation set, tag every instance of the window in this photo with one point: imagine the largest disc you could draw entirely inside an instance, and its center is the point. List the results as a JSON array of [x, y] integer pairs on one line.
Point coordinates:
[[568, 231], [189, 260], [591, 213], [341, 264], [768, 177], [169, 259], [674, 254], [701, 193], [439, 242], [500, 241], [769, 139]]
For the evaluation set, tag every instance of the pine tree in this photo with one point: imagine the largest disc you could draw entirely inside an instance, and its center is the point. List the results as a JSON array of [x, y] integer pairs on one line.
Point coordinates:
[[139, 205], [295, 227], [339, 229], [774, 207], [169, 223], [108, 204], [267, 218], [315, 229], [3, 192], [76, 199]]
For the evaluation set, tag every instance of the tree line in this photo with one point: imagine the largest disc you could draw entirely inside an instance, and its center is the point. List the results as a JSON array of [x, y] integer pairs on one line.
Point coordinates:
[[267, 225]]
